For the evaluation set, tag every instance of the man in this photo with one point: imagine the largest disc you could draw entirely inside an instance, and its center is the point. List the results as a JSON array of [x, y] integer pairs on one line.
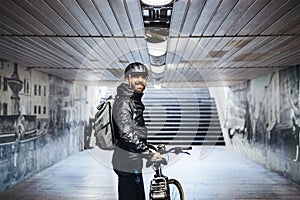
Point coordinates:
[[295, 117], [131, 133]]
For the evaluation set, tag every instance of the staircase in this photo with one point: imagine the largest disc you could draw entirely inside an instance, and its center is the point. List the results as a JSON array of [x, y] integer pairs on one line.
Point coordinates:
[[182, 117]]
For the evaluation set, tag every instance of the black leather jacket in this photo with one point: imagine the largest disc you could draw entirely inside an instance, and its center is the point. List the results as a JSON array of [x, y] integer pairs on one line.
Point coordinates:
[[130, 130]]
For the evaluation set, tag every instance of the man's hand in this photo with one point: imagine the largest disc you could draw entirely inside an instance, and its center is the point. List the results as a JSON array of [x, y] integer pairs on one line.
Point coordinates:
[[156, 156], [155, 159]]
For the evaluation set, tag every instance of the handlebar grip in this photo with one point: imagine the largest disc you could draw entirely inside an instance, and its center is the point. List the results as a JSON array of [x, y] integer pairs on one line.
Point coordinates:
[[189, 148], [152, 147], [183, 150]]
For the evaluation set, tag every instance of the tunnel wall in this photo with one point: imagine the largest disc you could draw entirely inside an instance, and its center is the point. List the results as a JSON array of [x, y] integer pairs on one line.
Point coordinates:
[[48, 127], [24, 159], [261, 119]]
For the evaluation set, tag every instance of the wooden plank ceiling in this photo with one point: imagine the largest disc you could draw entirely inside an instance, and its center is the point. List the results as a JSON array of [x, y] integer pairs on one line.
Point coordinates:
[[210, 41]]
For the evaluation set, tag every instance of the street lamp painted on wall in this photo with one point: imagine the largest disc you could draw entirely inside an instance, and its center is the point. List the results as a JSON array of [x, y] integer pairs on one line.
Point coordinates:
[[16, 86]]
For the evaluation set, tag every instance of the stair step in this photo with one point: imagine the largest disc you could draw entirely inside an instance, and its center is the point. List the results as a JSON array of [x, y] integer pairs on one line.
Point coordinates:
[[168, 101], [182, 137], [180, 112], [182, 116], [187, 128], [160, 106], [180, 120], [184, 124], [185, 132], [202, 143]]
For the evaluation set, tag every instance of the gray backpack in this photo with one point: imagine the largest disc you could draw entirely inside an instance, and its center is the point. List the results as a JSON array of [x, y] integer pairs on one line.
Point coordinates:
[[104, 127]]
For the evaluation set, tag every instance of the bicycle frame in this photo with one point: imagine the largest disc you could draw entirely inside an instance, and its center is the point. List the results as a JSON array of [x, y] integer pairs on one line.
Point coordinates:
[[160, 184], [159, 188]]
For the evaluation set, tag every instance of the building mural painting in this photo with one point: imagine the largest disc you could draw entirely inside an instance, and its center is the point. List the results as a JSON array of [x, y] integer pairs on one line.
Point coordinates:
[[39, 115], [51, 100]]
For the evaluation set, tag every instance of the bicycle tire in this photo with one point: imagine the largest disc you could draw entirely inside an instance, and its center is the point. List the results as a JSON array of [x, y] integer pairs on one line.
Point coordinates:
[[175, 190]]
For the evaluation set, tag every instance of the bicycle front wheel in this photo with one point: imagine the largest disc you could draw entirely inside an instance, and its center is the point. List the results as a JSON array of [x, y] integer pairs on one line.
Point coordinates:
[[175, 189]]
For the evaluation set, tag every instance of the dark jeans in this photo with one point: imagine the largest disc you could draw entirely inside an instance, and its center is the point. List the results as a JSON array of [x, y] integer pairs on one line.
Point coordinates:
[[130, 186]]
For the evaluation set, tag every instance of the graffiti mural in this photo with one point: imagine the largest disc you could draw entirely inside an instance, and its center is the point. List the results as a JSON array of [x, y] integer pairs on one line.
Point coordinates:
[[266, 111], [290, 113]]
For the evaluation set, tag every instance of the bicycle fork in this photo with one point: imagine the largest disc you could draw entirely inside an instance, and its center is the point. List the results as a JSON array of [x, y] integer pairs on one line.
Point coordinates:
[[159, 188], [298, 145]]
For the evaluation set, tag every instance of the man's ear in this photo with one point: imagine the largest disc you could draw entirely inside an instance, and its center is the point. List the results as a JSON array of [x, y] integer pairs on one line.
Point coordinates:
[[126, 80]]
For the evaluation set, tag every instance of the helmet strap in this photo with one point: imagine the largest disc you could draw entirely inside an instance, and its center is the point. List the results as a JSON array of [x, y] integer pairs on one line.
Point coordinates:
[[129, 77]]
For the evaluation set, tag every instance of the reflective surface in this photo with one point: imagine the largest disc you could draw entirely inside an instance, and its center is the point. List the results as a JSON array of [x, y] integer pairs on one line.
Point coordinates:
[[208, 173]]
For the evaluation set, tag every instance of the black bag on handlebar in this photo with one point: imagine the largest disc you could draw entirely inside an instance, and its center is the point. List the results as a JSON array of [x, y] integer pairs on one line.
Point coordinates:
[[104, 128]]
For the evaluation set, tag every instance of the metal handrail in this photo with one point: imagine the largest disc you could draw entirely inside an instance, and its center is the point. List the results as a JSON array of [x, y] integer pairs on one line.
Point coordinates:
[[42, 133]]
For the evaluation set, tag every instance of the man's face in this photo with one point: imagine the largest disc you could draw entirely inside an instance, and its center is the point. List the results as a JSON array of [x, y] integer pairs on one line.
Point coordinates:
[[137, 82]]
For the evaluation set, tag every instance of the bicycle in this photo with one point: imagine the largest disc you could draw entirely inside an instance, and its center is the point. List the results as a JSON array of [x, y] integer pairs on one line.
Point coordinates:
[[161, 187]]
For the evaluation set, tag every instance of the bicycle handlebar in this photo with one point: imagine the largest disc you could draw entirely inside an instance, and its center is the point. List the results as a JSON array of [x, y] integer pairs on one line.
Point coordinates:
[[177, 150], [162, 150]]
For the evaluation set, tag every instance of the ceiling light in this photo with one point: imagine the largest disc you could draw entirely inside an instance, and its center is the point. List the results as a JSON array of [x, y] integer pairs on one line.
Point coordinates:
[[157, 2], [157, 60], [157, 84], [157, 41], [169, 12], [157, 49], [146, 13], [158, 69]]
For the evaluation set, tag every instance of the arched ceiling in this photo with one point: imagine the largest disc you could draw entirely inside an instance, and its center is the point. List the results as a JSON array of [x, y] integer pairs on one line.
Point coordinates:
[[215, 42]]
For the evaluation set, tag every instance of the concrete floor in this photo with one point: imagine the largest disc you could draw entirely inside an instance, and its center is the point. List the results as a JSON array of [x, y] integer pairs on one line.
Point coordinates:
[[209, 173]]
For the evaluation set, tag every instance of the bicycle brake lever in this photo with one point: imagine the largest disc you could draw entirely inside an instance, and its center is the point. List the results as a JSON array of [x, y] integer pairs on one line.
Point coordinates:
[[164, 161], [180, 150], [177, 150], [188, 148]]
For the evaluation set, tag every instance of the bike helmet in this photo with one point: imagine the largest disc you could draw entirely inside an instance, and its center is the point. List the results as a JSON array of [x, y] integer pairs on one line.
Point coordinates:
[[136, 68]]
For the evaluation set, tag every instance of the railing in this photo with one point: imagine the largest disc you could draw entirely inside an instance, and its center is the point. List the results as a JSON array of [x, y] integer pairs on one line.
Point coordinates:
[[12, 138], [19, 129]]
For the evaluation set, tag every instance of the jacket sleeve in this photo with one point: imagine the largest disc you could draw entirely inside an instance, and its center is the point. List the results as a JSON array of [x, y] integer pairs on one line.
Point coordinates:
[[126, 133]]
